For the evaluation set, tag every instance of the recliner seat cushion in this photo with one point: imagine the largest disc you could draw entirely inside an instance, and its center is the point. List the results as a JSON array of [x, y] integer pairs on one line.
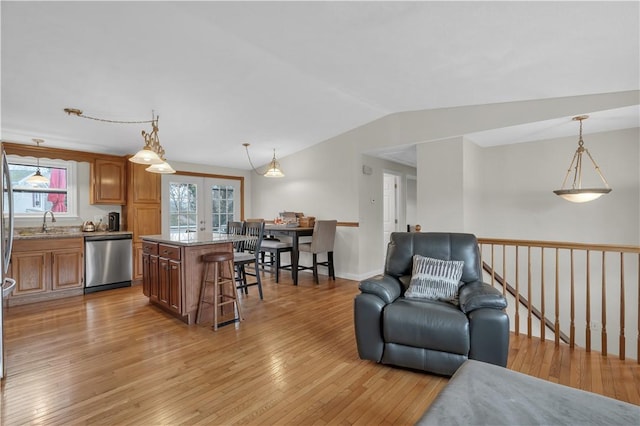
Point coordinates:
[[429, 324]]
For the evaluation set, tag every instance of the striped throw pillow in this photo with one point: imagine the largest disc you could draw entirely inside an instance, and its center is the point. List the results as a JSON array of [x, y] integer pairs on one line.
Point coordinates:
[[435, 279]]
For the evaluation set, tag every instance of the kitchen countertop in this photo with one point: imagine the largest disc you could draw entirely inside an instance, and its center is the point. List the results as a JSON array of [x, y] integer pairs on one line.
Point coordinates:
[[36, 233], [194, 238]]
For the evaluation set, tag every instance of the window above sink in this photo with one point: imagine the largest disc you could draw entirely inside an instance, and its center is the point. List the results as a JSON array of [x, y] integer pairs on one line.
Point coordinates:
[[33, 199]]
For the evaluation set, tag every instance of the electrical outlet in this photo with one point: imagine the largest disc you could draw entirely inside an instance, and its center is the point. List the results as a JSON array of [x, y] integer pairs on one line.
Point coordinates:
[[596, 326]]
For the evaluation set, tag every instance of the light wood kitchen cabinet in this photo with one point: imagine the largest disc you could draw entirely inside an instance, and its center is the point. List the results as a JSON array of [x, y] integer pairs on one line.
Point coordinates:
[[31, 272], [108, 182], [67, 269], [142, 213], [145, 186], [46, 269]]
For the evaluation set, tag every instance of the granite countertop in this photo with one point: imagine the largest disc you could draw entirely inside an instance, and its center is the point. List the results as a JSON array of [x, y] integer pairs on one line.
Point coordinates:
[[60, 232], [194, 238]]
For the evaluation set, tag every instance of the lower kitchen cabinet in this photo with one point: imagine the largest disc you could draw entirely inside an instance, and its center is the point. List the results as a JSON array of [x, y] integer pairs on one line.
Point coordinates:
[[162, 275], [46, 269]]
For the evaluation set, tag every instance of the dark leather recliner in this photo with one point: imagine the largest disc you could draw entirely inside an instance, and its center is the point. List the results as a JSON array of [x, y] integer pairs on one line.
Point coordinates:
[[430, 335]]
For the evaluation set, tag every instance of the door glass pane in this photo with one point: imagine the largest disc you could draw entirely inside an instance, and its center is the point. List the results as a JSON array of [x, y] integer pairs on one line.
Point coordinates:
[[222, 207], [183, 208]]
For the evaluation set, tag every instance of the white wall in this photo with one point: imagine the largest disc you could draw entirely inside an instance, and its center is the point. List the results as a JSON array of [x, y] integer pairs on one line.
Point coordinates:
[[326, 180], [440, 185], [516, 198], [321, 181]]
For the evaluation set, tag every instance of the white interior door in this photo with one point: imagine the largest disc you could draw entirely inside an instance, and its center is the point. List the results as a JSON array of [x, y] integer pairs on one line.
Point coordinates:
[[390, 208], [198, 204]]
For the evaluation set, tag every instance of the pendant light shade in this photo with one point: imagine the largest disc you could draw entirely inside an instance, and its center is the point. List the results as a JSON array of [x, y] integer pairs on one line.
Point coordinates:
[[163, 168], [273, 170], [576, 193], [37, 178], [146, 156]]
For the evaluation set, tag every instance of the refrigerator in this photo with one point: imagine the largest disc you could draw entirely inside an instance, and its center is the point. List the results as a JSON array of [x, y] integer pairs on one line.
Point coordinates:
[[6, 237]]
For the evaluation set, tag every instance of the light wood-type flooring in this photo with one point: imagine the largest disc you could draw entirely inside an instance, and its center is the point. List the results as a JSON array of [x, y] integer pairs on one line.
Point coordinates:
[[111, 358]]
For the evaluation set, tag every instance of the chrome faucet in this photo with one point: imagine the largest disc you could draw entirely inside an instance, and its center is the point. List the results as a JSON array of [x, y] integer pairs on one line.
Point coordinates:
[[44, 220]]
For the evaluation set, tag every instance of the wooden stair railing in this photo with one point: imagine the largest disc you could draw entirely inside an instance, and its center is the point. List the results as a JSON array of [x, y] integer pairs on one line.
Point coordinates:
[[522, 300], [578, 274]]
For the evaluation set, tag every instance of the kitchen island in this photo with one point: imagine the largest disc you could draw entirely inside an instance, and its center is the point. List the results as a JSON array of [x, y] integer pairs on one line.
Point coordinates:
[[172, 270]]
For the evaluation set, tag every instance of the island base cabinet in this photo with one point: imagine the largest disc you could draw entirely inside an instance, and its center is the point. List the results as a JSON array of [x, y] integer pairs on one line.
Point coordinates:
[[172, 276]]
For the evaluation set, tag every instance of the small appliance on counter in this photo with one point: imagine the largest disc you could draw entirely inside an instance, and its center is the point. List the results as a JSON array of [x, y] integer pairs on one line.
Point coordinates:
[[114, 221], [88, 226]]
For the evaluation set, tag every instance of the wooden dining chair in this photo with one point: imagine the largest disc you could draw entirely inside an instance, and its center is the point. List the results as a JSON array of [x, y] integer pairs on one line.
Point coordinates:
[[322, 241]]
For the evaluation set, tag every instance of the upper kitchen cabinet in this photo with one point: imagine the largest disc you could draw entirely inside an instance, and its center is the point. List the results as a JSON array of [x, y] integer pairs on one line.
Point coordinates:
[[145, 186], [142, 214], [108, 182]]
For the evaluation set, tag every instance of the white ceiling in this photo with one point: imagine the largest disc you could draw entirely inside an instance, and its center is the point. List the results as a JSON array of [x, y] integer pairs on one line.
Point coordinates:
[[288, 75]]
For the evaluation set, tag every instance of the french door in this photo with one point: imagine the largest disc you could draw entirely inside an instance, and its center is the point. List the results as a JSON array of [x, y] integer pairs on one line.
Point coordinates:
[[199, 204]]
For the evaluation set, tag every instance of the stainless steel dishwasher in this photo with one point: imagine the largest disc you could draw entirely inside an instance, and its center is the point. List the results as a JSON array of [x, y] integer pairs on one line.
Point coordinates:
[[107, 262]]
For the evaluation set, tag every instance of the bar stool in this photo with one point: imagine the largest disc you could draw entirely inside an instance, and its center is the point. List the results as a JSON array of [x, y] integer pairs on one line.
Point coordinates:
[[220, 263]]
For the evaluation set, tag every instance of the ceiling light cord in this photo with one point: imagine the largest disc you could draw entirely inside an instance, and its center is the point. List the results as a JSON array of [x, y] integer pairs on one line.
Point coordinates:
[[151, 154], [79, 113], [273, 169], [246, 147]]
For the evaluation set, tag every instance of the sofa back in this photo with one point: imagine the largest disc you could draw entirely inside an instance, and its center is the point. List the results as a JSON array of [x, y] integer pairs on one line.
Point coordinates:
[[438, 245]]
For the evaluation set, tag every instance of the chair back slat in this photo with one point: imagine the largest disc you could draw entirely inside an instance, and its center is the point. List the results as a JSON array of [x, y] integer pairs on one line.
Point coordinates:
[[254, 230], [236, 228]]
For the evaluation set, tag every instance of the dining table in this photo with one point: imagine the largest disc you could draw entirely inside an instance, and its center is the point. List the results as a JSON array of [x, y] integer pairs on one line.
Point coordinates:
[[295, 232]]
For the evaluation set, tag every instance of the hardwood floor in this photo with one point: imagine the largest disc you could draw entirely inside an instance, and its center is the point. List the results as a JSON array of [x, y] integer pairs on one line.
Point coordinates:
[[111, 358]]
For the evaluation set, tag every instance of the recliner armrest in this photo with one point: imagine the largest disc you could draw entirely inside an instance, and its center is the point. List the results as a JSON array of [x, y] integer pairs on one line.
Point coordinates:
[[385, 287], [476, 295]]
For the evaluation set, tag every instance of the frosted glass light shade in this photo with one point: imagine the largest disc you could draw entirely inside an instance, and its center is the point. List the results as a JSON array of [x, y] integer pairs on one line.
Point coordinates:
[[582, 195], [163, 168], [146, 156], [274, 170], [37, 178]]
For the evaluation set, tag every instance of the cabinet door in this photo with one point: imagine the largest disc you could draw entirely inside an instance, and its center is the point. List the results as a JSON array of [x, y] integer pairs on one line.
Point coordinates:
[[145, 185], [175, 269], [163, 281], [153, 277], [66, 269], [31, 272], [146, 221], [138, 267], [146, 279], [108, 182]]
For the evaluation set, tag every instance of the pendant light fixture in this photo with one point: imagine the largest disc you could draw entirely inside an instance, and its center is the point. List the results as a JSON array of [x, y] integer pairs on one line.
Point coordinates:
[[37, 178], [151, 154], [576, 193], [273, 170]]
